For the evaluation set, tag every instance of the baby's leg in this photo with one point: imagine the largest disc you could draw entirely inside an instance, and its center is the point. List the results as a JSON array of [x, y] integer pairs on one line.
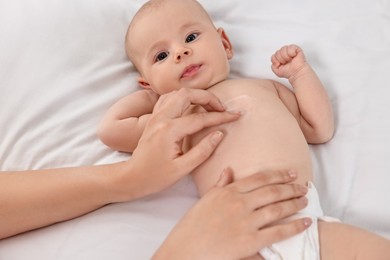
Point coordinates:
[[342, 241]]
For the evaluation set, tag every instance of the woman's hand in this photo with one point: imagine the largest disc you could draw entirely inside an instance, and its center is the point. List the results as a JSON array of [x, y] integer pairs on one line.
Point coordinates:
[[158, 161], [232, 221]]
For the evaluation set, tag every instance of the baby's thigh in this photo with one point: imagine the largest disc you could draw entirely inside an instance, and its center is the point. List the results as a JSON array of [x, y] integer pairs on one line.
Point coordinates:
[[342, 241]]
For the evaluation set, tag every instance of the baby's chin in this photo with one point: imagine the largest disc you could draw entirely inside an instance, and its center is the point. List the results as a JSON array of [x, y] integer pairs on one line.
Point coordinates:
[[201, 84], [219, 78]]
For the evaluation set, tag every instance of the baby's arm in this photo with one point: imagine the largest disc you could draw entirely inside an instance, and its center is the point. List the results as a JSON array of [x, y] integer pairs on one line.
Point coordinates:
[[123, 124], [314, 106]]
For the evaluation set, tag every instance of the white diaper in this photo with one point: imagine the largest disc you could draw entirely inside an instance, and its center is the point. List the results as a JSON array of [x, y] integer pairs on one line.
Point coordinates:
[[304, 246]]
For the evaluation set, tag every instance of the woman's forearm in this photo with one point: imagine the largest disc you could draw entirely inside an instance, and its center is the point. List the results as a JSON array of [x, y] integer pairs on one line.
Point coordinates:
[[33, 199]]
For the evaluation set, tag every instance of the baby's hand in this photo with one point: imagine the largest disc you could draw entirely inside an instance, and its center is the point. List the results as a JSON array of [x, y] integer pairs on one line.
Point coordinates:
[[288, 61]]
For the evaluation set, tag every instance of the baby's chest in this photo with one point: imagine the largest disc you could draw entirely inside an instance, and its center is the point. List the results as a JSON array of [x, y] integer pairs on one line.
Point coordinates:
[[264, 119]]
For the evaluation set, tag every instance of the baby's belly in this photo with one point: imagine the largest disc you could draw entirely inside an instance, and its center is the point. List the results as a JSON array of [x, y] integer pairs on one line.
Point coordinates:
[[266, 137]]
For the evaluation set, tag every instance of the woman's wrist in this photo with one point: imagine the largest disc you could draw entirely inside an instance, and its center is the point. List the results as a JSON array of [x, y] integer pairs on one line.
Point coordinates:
[[128, 181], [120, 182]]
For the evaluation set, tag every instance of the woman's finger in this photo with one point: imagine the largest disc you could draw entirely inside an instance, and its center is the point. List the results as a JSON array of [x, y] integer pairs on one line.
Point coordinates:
[[277, 233], [199, 153], [193, 123], [264, 178], [176, 103], [278, 210], [274, 193]]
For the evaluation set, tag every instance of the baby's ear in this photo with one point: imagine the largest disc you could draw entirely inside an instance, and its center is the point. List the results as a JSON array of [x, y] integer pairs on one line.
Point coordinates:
[[226, 43], [143, 83]]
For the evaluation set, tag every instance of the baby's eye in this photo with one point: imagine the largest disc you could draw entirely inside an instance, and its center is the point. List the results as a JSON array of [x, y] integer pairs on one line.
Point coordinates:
[[161, 56], [192, 37]]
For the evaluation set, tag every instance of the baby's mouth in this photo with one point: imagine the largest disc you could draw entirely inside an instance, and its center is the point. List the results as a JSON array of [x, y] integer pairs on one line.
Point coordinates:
[[191, 71]]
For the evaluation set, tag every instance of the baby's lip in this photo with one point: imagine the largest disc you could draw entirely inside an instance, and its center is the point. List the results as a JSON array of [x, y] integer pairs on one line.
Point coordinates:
[[190, 71]]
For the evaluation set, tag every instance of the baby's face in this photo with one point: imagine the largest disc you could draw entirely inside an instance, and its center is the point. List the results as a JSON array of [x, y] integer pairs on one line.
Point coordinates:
[[176, 46]]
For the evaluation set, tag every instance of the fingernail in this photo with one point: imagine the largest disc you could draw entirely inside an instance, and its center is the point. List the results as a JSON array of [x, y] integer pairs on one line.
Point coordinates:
[[217, 137], [292, 174], [235, 112], [222, 105], [303, 201], [307, 222], [303, 189]]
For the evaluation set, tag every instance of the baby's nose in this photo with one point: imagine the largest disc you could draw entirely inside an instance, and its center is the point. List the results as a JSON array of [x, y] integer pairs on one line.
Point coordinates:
[[181, 53]]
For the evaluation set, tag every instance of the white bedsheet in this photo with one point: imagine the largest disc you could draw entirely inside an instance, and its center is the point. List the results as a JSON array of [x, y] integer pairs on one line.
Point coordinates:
[[62, 64]]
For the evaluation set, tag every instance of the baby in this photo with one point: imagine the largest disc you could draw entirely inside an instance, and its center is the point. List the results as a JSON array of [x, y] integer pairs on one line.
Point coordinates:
[[174, 44]]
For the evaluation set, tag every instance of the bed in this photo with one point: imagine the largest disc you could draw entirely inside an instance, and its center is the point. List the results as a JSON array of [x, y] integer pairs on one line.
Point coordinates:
[[62, 64]]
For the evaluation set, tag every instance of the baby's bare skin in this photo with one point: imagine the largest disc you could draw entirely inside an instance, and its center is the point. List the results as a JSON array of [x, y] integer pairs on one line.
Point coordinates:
[[267, 135]]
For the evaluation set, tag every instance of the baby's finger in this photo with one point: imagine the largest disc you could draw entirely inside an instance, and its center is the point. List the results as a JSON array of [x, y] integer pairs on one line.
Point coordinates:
[[288, 53], [275, 61], [285, 53], [292, 50], [279, 57]]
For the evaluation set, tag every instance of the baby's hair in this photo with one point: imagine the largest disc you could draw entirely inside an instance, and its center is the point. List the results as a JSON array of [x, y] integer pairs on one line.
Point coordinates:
[[145, 8]]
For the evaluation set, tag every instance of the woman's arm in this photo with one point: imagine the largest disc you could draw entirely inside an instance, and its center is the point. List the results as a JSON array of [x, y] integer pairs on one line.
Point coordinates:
[[33, 199]]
